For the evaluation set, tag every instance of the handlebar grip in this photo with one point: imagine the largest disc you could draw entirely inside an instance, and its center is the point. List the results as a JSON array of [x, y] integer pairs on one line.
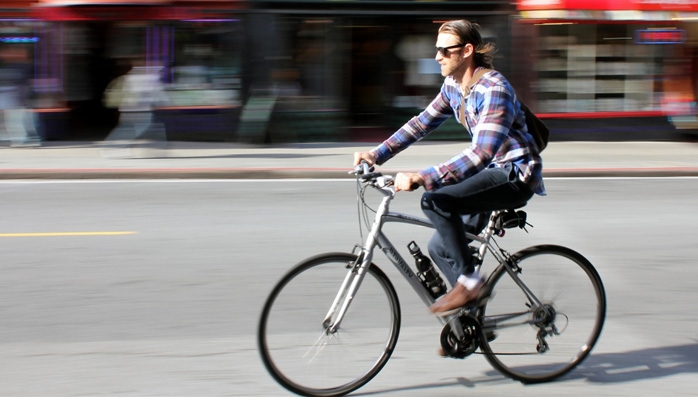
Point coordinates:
[[414, 186]]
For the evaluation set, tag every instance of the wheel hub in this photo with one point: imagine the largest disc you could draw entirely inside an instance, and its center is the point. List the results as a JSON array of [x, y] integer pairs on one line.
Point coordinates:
[[544, 315]]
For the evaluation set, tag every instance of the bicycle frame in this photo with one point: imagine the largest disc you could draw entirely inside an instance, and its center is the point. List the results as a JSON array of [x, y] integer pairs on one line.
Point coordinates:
[[376, 237], [506, 323]]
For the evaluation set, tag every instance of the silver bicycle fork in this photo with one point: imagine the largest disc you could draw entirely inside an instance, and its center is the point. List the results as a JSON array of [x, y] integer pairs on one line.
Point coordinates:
[[357, 270], [346, 293]]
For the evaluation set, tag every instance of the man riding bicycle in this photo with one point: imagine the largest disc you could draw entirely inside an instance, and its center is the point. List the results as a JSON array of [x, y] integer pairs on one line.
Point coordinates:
[[501, 168]]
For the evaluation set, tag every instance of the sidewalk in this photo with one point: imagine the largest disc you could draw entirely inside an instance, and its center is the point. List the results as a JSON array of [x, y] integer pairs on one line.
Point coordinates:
[[188, 160]]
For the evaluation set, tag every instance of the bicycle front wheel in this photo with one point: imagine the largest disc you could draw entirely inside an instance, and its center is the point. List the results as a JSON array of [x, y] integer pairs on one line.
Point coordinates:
[[541, 335], [297, 348]]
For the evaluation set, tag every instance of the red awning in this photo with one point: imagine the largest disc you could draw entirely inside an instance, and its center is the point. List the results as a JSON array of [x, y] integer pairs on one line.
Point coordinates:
[[120, 10], [98, 2], [19, 9], [609, 5], [113, 13]]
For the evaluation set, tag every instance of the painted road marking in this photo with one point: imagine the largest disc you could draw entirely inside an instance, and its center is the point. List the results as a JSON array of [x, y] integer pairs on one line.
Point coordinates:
[[290, 180], [47, 234]]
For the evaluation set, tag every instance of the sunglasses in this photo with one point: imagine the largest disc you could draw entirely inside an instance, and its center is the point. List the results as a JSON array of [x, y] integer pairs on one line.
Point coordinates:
[[445, 50]]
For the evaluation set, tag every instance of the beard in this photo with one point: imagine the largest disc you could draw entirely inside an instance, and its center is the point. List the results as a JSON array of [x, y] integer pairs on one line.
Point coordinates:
[[452, 67]]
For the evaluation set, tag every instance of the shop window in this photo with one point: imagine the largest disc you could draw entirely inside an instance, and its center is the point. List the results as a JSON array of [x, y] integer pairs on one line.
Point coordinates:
[[204, 64], [599, 68]]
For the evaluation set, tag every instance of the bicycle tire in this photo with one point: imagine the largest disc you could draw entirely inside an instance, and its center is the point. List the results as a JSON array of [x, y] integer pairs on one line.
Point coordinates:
[[575, 304], [291, 325]]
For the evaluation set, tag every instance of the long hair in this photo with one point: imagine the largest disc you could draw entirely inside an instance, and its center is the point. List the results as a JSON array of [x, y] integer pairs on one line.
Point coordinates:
[[467, 32]]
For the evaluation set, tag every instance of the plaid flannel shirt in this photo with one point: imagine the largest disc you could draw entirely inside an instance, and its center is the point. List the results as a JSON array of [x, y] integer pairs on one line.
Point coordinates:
[[497, 127]]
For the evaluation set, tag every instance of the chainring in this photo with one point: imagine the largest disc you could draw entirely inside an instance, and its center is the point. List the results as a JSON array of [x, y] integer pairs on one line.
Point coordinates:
[[471, 338]]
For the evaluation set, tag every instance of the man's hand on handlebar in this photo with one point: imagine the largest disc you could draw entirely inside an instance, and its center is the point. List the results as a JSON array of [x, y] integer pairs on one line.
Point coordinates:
[[364, 156], [408, 181], [404, 181]]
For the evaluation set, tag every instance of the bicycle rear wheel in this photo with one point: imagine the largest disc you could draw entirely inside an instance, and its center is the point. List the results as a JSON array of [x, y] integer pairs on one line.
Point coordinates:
[[297, 349], [538, 343]]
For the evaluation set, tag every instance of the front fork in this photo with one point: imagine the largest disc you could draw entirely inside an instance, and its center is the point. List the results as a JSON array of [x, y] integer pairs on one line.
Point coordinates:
[[357, 271]]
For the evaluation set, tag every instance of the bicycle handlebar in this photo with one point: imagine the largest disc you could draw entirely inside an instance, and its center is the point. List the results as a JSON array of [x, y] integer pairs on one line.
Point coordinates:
[[367, 174], [362, 169]]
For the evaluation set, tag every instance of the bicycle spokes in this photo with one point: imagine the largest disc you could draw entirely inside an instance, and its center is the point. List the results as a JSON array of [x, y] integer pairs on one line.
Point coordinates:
[[303, 346], [547, 317], [317, 347]]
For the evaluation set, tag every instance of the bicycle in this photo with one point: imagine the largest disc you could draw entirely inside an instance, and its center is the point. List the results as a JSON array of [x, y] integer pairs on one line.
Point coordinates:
[[332, 321]]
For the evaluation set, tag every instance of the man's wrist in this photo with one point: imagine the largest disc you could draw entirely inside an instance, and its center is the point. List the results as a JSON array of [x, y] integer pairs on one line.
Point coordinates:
[[376, 155], [426, 176]]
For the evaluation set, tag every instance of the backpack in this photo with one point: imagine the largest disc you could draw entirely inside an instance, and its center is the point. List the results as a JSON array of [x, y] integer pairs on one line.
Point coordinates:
[[535, 126], [114, 93]]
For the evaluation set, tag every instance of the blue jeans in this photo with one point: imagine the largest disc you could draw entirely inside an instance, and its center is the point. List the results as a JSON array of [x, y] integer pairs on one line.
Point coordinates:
[[466, 206]]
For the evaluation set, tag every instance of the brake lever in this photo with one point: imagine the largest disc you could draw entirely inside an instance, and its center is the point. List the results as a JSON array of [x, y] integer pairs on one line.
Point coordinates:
[[385, 181], [370, 176], [362, 169]]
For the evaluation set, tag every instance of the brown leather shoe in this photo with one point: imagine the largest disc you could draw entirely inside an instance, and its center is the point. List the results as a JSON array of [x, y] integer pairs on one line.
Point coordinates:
[[456, 298]]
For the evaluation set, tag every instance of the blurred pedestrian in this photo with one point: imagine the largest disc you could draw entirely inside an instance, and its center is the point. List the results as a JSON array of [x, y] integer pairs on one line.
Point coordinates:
[[500, 169], [16, 118], [135, 94]]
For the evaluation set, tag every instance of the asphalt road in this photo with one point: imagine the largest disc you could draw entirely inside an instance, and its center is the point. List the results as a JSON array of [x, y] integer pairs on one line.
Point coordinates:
[[154, 288]]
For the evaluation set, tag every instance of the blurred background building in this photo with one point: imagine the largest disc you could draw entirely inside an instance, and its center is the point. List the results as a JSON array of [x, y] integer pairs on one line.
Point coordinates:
[[334, 70], [613, 58]]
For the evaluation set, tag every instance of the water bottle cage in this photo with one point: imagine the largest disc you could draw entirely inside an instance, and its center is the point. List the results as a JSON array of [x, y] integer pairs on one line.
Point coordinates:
[[435, 286], [424, 275]]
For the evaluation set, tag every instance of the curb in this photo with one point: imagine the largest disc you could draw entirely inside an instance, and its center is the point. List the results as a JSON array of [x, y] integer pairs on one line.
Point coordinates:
[[294, 173], [174, 173], [621, 172]]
